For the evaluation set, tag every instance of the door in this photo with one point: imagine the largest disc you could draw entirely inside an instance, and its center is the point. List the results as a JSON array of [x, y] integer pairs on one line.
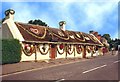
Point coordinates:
[[84, 52], [53, 51]]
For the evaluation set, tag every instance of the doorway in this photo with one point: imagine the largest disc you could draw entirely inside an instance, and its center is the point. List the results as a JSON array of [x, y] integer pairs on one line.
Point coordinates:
[[53, 51]]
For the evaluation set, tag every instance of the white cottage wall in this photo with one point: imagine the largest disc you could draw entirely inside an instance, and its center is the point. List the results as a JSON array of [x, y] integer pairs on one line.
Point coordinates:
[[27, 58], [61, 55], [71, 55], [95, 54], [79, 55], [24, 57], [100, 51], [41, 56], [88, 54]]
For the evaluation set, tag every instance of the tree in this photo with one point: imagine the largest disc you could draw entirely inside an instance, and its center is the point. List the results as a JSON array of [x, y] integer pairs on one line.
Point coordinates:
[[37, 22], [109, 40], [107, 37], [116, 42], [113, 43]]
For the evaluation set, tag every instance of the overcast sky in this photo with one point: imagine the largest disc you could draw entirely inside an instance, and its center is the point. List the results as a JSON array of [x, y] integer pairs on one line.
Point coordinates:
[[79, 15]]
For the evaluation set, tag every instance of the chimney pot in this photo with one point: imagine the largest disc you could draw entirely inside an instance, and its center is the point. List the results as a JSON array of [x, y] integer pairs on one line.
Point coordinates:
[[62, 25], [9, 14]]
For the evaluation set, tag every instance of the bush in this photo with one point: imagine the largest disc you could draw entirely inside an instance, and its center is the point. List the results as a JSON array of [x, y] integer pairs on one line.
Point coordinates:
[[11, 51]]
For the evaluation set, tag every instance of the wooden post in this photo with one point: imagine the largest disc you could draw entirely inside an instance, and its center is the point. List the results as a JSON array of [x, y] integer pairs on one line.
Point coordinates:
[[84, 53], [92, 52], [66, 50], [74, 51], [35, 53]]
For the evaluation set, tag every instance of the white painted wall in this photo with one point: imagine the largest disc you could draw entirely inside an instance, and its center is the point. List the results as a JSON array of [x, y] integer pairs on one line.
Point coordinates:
[[88, 54], [39, 55], [60, 55], [100, 51], [43, 57], [79, 55], [47, 56], [95, 54], [71, 55], [27, 58]]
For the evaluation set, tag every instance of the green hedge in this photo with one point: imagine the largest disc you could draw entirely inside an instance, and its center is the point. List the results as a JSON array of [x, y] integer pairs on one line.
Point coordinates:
[[11, 51]]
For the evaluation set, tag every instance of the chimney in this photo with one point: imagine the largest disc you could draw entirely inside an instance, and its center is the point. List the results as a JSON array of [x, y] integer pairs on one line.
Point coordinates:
[[99, 37], [62, 25], [9, 14], [90, 32]]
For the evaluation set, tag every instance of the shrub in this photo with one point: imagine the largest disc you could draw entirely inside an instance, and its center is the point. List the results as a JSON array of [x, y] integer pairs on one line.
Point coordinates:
[[11, 51]]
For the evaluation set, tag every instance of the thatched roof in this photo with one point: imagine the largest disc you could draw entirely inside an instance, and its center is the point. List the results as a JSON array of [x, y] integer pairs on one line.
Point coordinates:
[[36, 33]]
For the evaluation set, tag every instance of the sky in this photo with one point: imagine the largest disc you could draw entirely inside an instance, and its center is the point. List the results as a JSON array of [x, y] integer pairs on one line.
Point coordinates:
[[83, 16]]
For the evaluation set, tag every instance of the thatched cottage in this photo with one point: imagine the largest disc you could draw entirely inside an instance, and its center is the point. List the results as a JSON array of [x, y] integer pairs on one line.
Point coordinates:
[[41, 43]]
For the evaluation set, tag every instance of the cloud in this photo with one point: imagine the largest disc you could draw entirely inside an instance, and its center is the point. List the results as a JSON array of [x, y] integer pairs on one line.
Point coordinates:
[[62, 12], [95, 14], [22, 13], [80, 16]]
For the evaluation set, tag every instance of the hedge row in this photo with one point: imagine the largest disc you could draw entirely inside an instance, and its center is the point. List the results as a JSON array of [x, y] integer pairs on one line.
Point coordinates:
[[11, 51]]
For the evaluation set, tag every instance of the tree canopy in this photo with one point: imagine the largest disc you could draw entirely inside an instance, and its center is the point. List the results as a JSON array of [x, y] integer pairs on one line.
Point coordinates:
[[37, 22], [107, 37], [113, 43]]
